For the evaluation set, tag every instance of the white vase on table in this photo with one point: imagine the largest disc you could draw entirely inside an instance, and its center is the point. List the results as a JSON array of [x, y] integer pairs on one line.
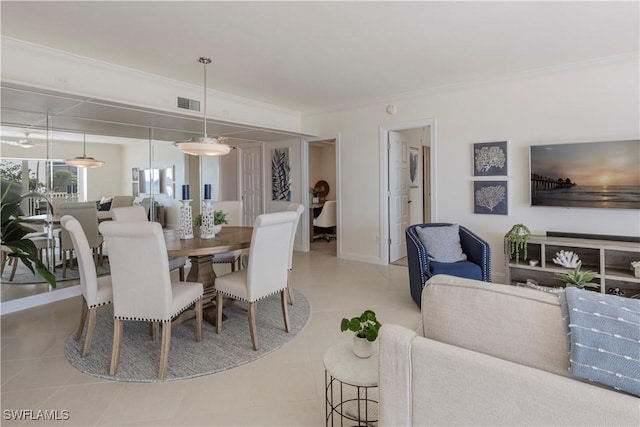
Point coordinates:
[[186, 220]]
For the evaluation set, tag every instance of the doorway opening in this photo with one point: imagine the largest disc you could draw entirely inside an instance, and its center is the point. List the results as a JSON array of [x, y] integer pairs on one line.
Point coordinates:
[[407, 184], [322, 215]]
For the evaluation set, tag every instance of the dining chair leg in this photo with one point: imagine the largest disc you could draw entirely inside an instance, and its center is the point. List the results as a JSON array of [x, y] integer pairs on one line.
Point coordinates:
[[166, 345], [285, 310], [218, 312], [199, 320], [14, 268], [292, 299], [181, 274], [153, 330], [115, 352], [91, 325], [83, 318], [64, 263], [252, 325], [3, 261]]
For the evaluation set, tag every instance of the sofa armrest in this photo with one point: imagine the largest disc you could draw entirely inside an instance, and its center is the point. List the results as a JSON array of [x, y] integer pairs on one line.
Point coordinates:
[[426, 382], [477, 250], [394, 381]]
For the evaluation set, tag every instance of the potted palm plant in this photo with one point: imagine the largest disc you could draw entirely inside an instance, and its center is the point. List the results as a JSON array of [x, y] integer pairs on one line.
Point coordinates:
[[579, 279], [14, 231], [366, 328]]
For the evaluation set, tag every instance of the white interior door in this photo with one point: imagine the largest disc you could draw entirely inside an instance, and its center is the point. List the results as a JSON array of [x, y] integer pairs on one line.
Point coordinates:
[[398, 195], [251, 183]]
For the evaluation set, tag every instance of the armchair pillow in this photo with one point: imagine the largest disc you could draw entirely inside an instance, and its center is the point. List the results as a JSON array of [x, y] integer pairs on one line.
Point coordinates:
[[442, 243]]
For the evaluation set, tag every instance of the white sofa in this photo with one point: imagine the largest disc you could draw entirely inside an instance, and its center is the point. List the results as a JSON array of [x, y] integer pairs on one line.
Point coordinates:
[[489, 354]]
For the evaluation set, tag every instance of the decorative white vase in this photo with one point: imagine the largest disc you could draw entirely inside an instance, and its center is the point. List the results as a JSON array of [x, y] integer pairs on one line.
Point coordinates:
[[217, 228], [315, 200], [186, 220], [207, 228], [362, 347]]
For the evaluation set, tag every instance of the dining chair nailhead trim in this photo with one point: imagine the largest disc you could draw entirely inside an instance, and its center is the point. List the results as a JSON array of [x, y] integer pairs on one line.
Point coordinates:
[[140, 319], [246, 300], [98, 305]]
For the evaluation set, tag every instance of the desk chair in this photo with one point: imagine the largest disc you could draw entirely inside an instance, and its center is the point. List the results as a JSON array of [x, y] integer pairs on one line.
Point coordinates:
[[327, 220], [233, 209], [138, 213], [142, 287], [96, 291], [266, 273]]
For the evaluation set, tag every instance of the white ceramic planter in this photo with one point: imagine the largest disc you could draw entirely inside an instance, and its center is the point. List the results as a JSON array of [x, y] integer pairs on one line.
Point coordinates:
[[361, 347]]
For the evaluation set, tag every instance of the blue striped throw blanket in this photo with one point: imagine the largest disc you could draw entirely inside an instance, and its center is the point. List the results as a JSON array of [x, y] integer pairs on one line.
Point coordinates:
[[604, 337]]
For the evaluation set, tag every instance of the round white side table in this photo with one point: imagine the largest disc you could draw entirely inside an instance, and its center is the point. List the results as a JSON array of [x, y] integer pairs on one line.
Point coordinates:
[[344, 372]]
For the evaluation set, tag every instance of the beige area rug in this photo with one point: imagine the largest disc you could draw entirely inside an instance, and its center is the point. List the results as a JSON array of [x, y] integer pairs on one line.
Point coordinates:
[[140, 356]]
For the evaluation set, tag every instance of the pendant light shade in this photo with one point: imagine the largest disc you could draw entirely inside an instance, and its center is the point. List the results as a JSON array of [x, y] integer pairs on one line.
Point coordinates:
[[204, 146], [84, 161]]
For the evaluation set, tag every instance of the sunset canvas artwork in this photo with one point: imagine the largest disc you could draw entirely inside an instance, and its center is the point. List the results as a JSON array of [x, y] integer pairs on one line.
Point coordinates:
[[592, 175]]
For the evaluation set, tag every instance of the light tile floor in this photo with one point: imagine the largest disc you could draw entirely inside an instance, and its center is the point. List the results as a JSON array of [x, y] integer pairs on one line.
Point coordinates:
[[285, 388]]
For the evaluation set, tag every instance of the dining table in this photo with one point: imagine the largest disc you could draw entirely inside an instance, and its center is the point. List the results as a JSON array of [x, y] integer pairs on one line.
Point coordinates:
[[201, 253]]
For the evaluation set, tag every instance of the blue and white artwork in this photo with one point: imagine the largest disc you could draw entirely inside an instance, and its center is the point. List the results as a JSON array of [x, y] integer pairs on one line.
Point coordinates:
[[280, 174], [413, 167], [490, 158], [490, 197]]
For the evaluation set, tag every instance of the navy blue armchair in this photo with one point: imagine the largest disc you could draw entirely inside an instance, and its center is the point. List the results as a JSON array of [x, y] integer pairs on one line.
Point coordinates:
[[421, 268]]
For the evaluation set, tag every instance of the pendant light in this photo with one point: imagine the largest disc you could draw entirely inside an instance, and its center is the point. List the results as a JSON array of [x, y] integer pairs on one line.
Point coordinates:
[[204, 146], [84, 161]]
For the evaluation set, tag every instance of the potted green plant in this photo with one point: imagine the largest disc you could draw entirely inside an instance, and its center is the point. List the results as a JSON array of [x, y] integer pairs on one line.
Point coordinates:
[[366, 328], [516, 240], [219, 218], [579, 279], [14, 232], [315, 192]]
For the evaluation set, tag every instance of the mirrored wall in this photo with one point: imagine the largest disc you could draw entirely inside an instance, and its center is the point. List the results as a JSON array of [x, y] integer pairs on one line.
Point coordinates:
[[150, 170]]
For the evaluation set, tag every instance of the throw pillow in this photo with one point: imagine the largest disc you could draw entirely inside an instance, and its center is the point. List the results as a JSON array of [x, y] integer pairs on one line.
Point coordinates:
[[603, 337], [442, 243], [105, 206]]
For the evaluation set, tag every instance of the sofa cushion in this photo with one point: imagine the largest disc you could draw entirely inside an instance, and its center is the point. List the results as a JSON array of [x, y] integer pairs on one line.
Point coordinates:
[[521, 325], [442, 242], [461, 269]]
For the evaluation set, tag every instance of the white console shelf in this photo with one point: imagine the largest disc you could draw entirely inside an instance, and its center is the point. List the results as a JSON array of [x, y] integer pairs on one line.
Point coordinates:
[[609, 258]]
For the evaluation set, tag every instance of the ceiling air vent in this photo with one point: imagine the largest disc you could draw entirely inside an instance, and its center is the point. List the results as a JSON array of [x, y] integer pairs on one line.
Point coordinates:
[[188, 104]]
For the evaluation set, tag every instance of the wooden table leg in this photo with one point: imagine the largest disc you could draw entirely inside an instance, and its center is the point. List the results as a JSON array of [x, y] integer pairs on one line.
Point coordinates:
[[202, 271]]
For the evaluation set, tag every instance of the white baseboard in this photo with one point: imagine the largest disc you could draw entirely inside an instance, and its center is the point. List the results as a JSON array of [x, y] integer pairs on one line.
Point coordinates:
[[40, 299]]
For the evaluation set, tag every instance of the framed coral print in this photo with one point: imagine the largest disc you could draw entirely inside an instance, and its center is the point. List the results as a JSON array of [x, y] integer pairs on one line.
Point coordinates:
[[490, 197], [490, 159]]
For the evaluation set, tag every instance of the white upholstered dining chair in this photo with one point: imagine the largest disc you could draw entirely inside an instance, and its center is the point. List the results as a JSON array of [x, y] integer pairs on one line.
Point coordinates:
[[298, 209], [87, 215], [96, 291], [142, 287], [266, 272], [138, 213], [233, 209]]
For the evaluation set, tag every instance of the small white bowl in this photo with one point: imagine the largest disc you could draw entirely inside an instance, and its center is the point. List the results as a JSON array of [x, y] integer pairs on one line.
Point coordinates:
[[533, 262]]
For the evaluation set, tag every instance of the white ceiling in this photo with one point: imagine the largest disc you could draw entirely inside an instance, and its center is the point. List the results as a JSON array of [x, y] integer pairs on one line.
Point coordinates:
[[316, 56]]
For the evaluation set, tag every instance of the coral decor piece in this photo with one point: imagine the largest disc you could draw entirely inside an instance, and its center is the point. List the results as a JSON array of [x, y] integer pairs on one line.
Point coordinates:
[[566, 259]]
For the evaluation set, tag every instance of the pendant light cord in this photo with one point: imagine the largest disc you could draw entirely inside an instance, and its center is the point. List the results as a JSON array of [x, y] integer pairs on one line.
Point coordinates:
[[205, 61]]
